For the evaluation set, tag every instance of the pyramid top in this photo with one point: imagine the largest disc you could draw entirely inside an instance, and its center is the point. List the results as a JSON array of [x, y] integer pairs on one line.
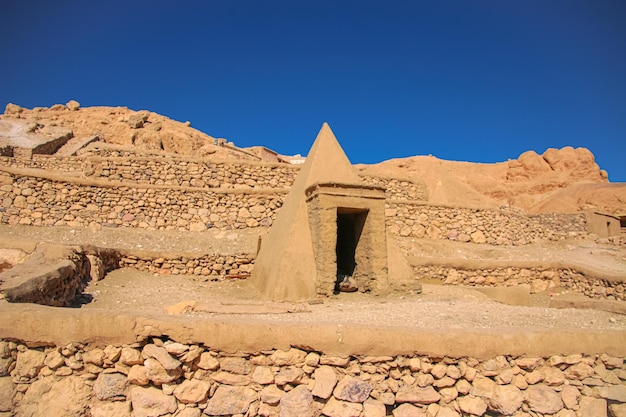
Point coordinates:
[[327, 162]]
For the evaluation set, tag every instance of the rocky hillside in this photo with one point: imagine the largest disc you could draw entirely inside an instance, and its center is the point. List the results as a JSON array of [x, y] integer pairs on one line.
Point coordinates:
[[560, 180], [144, 130], [563, 180]]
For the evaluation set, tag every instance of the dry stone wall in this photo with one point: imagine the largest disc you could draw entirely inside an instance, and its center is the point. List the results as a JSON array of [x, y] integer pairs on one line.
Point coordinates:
[[41, 202], [187, 172], [161, 377], [210, 266], [496, 227], [38, 201], [538, 279]]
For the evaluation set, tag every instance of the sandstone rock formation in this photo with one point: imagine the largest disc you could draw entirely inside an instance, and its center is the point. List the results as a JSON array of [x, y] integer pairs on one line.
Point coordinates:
[[113, 125]]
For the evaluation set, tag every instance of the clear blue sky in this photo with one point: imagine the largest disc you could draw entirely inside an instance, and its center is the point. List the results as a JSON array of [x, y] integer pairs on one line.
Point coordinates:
[[470, 80]]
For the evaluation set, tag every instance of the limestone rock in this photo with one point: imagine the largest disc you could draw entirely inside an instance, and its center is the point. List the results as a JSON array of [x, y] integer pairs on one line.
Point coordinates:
[[130, 356], [191, 391], [352, 390], [108, 409], [72, 105], [409, 410], [336, 408], [412, 394], [159, 375], [161, 355], [297, 403], [263, 375], [617, 410], [208, 362], [325, 380], [271, 394], [483, 387], [151, 402], [478, 237], [570, 395], [291, 357], [13, 109], [68, 397], [592, 407], [29, 363], [235, 365], [472, 405], [138, 375], [288, 376], [111, 387], [374, 408], [94, 356], [230, 379], [229, 400], [54, 359], [543, 399], [506, 399], [612, 392], [7, 393]]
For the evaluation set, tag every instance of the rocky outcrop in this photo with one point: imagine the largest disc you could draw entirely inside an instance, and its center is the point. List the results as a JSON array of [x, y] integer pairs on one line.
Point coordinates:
[[76, 379]]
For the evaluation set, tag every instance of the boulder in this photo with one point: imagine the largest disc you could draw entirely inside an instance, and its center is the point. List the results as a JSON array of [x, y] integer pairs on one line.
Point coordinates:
[[229, 400], [151, 402]]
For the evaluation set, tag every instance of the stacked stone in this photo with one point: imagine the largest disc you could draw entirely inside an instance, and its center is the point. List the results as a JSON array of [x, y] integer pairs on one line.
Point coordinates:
[[46, 162], [538, 279], [214, 266], [166, 378], [193, 173], [495, 227], [397, 189], [40, 202]]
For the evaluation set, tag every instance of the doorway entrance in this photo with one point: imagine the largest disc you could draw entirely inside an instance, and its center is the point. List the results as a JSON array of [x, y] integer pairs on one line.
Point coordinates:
[[350, 224]]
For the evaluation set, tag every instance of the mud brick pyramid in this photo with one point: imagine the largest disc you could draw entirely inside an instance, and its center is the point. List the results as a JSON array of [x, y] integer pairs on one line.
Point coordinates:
[[330, 222]]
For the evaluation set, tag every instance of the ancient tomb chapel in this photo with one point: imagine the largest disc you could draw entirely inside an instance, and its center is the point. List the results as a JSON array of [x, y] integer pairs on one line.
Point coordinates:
[[331, 222]]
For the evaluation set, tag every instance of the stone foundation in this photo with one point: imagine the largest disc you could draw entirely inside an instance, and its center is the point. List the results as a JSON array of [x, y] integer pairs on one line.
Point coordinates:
[[158, 376]]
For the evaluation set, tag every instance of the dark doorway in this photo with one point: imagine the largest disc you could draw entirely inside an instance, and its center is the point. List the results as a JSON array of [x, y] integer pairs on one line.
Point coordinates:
[[350, 224]]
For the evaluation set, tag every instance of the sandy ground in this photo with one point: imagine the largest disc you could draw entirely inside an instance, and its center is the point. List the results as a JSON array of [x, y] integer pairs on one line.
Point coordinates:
[[438, 307]]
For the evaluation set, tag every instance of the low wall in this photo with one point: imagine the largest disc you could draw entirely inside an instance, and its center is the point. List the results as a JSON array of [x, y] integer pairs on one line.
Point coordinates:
[[157, 376], [496, 227], [40, 201], [539, 279]]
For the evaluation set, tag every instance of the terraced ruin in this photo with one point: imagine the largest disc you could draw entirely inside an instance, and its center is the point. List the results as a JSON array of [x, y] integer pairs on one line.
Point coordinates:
[[151, 231]]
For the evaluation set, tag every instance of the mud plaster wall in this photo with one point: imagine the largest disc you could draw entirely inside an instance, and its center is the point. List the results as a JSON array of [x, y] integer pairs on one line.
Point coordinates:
[[157, 376], [539, 279], [37, 201]]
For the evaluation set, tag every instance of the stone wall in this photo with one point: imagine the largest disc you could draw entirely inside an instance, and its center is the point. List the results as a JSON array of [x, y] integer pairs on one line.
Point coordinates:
[[539, 279], [41, 202], [37, 201], [188, 172], [157, 376], [496, 227], [213, 266]]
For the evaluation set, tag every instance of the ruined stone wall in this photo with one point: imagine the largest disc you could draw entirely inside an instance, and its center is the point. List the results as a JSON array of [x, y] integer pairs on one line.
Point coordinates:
[[211, 266], [40, 202], [539, 279], [157, 376], [496, 227], [188, 172]]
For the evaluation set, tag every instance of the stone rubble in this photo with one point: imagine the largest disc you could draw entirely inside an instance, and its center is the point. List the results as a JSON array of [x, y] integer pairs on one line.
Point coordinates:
[[176, 379]]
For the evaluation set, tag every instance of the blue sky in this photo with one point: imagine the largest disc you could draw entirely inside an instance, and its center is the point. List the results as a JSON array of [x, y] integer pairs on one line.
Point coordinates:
[[471, 80]]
